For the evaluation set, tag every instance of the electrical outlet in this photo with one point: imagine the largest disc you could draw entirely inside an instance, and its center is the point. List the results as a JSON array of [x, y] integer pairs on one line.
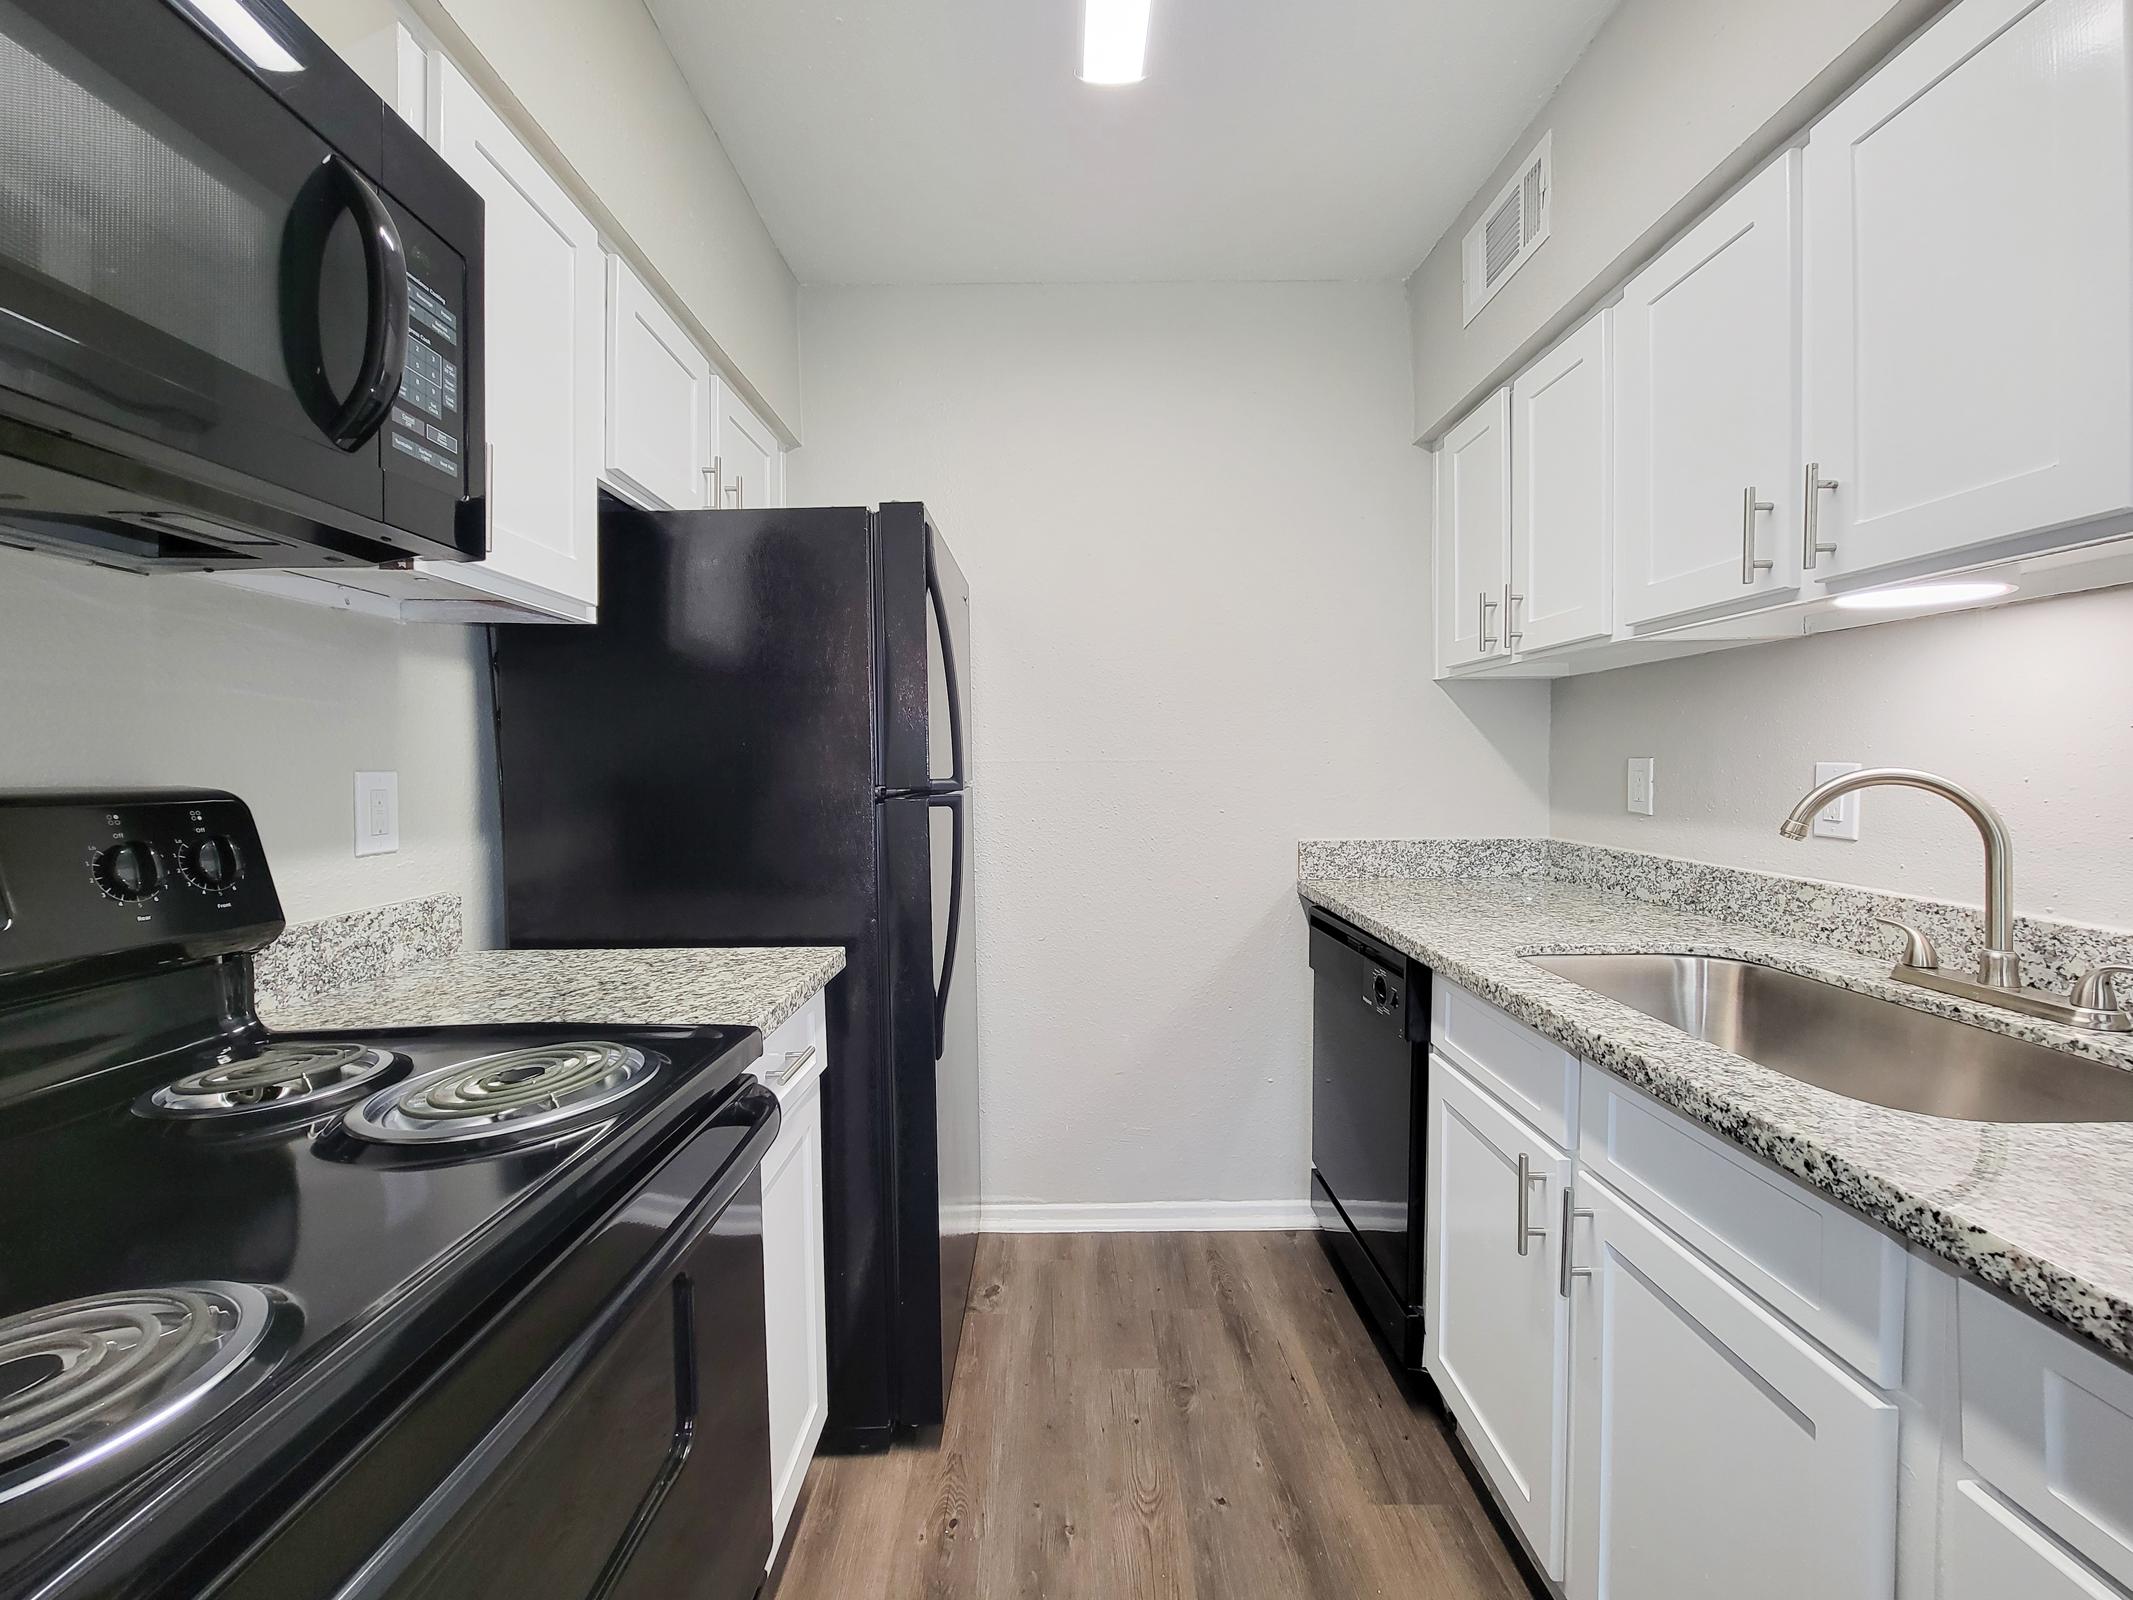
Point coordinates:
[[1840, 818], [1639, 797], [377, 813]]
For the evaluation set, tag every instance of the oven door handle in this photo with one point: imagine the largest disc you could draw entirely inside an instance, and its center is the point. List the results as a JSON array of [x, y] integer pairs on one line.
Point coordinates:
[[757, 1108], [336, 187]]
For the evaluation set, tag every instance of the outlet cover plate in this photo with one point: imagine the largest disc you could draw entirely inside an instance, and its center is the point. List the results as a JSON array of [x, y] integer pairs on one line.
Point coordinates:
[[377, 813], [1638, 795], [1840, 818]]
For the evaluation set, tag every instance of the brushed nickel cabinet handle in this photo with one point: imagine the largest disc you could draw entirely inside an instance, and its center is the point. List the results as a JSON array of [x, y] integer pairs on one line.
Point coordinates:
[[1527, 1233], [1488, 639], [795, 1063], [1571, 1214], [1511, 633], [1750, 562], [1812, 544]]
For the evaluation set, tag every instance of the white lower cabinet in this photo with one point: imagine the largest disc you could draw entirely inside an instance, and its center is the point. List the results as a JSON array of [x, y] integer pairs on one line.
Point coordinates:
[[1992, 1552], [1496, 1339], [794, 1304], [1684, 1374], [1715, 1450]]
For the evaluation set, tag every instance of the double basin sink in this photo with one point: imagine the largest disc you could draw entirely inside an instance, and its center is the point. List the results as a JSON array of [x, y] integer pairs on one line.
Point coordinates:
[[1853, 1044]]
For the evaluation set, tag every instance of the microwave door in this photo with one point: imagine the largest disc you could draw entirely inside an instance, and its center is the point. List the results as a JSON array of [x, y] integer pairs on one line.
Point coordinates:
[[184, 265]]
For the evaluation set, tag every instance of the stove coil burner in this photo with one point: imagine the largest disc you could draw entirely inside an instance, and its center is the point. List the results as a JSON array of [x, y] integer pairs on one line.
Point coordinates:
[[82, 1380], [280, 1078], [501, 1095]]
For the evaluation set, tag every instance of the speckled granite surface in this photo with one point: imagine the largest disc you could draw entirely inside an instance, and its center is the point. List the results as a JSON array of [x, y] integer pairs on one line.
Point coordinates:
[[1423, 858], [752, 988], [2053, 954], [312, 957], [2044, 1212]]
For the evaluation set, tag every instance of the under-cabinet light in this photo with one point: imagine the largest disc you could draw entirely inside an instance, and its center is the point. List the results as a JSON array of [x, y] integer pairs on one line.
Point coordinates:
[[1911, 596]]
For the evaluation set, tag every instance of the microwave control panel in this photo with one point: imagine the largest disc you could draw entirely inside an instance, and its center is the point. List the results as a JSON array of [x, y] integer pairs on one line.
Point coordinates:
[[426, 426]]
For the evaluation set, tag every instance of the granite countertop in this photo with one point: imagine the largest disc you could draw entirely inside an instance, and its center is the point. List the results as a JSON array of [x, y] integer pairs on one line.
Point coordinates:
[[751, 988], [2041, 1211]]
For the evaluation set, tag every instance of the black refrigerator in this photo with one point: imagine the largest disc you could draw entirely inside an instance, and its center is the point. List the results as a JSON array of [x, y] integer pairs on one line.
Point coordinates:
[[764, 741]]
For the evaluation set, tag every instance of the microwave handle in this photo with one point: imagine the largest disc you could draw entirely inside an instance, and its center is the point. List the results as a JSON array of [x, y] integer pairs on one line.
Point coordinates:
[[336, 187]]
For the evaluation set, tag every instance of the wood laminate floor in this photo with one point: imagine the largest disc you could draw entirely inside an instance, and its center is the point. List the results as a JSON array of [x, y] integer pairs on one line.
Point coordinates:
[[1185, 1416]]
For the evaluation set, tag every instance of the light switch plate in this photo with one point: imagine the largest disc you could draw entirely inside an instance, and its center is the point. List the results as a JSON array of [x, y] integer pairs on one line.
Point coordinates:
[[1840, 818], [1639, 787], [377, 813]]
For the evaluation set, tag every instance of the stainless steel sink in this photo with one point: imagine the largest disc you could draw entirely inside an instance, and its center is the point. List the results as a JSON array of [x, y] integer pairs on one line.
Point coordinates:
[[1853, 1044]]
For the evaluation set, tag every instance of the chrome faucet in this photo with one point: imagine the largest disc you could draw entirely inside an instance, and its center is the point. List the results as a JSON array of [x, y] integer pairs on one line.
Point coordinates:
[[1999, 969]]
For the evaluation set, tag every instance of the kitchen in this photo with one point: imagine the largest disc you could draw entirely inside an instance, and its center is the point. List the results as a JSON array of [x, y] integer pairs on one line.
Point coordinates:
[[1427, 464]]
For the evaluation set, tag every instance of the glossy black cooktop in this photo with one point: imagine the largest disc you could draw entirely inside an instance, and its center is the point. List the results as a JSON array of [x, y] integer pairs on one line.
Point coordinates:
[[366, 1254]]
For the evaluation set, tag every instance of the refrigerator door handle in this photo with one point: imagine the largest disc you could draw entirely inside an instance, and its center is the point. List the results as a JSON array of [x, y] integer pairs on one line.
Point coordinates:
[[948, 665], [954, 803]]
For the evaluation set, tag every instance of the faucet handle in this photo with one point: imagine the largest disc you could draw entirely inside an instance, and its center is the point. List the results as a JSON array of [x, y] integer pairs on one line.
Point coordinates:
[[1918, 951], [2097, 989]]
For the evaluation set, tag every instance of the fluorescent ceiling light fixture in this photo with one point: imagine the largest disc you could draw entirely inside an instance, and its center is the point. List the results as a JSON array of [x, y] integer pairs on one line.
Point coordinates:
[[1910, 596], [245, 34], [1114, 41]]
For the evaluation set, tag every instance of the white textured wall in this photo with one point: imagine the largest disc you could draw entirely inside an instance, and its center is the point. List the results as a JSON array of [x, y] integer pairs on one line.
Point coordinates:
[[2026, 703], [1672, 103], [116, 680], [1193, 528]]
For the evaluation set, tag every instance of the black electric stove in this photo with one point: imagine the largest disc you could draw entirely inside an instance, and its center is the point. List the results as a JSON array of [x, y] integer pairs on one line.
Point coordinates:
[[351, 1314]]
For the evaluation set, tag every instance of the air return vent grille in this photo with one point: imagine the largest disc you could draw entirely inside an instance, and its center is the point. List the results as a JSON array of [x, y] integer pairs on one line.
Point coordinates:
[[1510, 230]]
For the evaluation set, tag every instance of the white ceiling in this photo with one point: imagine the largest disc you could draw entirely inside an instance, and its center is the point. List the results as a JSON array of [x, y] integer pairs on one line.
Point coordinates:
[[949, 141]]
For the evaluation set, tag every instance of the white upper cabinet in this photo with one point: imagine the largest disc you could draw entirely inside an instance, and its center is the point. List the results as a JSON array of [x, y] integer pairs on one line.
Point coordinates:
[[1562, 547], [1969, 328], [543, 329], [1473, 533], [662, 400], [1496, 1331], [1707, 414], [1715, 1450], [749, 461]]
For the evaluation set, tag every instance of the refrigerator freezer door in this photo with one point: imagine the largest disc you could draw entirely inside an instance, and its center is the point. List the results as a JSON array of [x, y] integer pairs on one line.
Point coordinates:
[[933, 1042]]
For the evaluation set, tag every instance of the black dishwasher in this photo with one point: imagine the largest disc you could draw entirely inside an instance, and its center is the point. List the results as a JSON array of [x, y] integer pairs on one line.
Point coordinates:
[[1369, 1112]]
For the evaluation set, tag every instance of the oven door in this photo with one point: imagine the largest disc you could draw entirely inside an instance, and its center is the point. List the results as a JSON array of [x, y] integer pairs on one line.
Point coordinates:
[[636, 1460], [202, 298]]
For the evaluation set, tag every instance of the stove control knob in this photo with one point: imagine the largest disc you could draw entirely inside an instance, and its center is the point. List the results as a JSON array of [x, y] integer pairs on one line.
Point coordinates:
[[129, 871], [210, 863]]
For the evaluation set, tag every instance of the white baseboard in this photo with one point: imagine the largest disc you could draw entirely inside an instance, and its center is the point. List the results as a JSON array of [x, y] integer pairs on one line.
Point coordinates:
[[1145, 1216]]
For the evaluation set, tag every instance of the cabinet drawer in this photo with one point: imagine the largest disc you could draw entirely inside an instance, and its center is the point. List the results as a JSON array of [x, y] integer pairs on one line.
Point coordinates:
[[1834, 1275], [1993, 1551], [1533, 1076], [2048, 1422]]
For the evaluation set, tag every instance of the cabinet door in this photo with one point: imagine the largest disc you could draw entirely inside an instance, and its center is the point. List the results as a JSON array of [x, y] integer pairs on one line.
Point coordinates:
[[1991, 1551], [1495, 1330], [1716, 1451], [794, 1307], [544, 336], [1473, 533], [1969, 332], [749, 459], [1707, 410], [1562, 546], [661, 399]]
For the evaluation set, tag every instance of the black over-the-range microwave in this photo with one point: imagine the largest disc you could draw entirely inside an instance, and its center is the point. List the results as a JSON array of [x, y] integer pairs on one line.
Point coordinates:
[[239, 299]]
